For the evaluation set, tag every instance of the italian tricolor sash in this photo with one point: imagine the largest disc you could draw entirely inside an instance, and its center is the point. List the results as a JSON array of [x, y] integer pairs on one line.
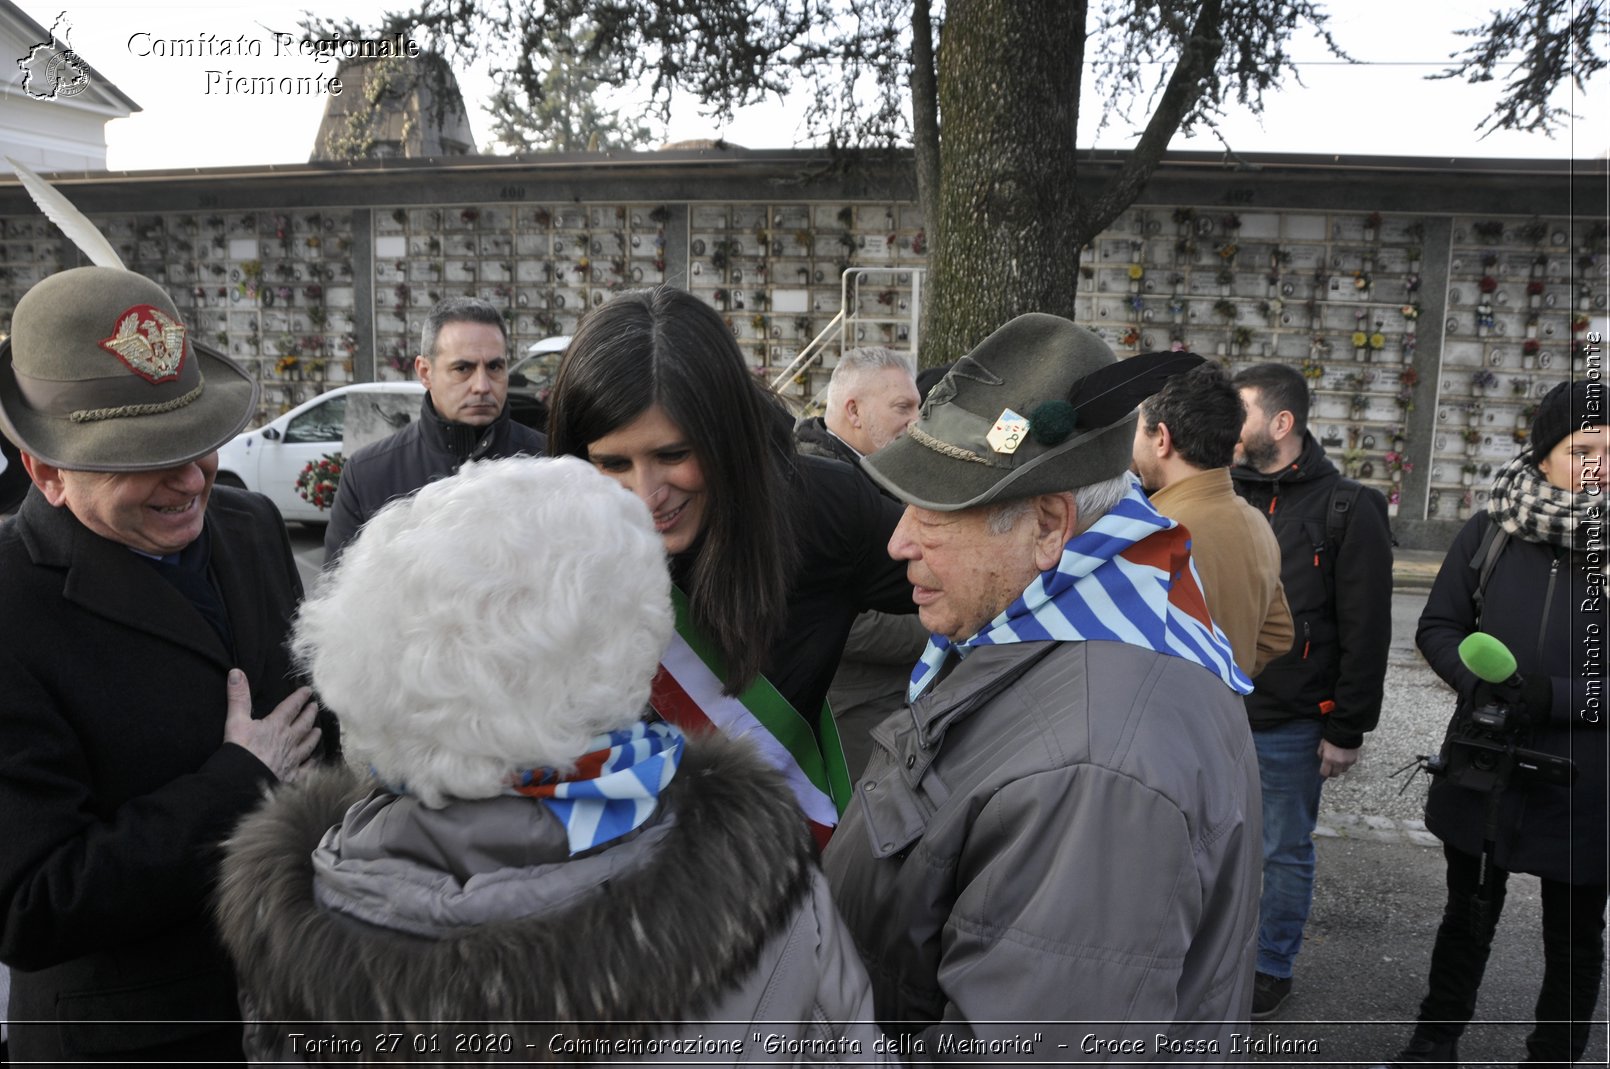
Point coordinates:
[[687, 692]]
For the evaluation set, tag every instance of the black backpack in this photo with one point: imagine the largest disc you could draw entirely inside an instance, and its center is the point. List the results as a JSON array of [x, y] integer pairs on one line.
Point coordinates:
[[1339, 510]]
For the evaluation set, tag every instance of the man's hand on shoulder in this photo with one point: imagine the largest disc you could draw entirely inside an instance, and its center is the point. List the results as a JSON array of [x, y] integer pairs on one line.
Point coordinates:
[[1334, 760]]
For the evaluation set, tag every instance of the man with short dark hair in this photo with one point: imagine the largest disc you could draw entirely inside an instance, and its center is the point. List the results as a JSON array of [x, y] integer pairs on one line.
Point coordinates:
[[1313, 706], [1184, 443], [463, 363], [1059, 834]]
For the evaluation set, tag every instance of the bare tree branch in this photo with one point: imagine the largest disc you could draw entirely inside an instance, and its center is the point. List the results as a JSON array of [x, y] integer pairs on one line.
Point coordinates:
[[1180, 97], [1537, 46], [993, 130]]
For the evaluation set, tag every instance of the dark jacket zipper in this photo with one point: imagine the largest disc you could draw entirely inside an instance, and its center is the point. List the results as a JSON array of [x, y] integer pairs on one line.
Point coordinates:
[[1548, 601]]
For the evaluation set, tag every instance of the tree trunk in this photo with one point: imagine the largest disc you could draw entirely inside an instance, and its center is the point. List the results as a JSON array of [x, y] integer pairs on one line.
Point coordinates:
[[1008, 101]]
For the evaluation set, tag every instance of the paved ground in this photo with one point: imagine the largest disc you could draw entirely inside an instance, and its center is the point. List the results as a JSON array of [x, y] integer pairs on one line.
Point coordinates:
[[1379, 894], [1360, 976]]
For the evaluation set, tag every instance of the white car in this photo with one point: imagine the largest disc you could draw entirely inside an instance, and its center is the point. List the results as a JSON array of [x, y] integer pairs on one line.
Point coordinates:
[[270, 458], [540, 363]]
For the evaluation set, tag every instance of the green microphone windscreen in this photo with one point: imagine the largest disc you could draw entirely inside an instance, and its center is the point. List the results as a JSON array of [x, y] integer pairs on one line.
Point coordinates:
[[1489, 658]]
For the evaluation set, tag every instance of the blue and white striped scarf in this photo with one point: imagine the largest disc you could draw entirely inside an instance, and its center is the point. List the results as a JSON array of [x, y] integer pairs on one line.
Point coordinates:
[[1127, 578], [615, 787]]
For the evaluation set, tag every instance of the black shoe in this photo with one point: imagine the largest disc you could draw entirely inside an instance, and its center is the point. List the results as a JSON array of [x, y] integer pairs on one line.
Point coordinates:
[[1421, 1051], [1268, 994]]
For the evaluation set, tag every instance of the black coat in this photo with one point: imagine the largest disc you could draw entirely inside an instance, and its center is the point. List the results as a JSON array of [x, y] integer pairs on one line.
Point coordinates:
[[1538, 602], [115, 785], [842, 527], [1340, 599], [428, 449], [814, 439]]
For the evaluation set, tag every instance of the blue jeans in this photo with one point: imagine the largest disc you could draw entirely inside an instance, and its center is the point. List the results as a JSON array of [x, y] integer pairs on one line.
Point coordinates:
[[1288, 769]]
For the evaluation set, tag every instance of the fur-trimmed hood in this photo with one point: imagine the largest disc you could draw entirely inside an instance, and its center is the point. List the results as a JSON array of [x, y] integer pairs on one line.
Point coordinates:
[[726, 875]]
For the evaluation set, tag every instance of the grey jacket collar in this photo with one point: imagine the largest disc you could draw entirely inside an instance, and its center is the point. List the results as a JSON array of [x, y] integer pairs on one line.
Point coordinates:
[[979, 677], [395, 863], [661, 941]]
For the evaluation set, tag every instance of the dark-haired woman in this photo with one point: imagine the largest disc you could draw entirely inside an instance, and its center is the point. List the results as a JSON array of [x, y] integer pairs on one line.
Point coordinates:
[[775, 553], [1543, 598]]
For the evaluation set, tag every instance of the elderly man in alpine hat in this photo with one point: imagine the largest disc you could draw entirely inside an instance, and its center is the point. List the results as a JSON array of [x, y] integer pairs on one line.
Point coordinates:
[[1062, 825], [148, 694]]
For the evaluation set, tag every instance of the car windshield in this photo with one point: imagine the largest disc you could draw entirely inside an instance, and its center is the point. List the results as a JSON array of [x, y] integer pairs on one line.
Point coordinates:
[[321, 423], [538, 370]]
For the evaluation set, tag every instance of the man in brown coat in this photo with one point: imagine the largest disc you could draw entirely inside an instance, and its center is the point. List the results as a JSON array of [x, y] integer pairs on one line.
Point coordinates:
[[1184, 444]]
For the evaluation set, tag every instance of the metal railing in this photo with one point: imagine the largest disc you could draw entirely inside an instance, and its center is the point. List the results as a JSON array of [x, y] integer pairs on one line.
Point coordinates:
[[841, 326]]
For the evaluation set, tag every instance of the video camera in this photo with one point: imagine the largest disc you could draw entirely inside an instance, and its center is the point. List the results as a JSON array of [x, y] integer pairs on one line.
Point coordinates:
[[1481, 750]]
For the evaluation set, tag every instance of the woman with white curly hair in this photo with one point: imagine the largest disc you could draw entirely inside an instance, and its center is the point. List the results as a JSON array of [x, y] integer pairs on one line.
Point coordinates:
[[528, 848]]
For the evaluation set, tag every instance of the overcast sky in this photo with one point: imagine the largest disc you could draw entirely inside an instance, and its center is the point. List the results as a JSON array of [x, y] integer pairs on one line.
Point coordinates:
[[1383, 107]]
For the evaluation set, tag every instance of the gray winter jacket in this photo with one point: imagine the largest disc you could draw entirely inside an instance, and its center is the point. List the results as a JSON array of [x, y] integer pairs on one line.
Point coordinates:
[[341, 903], [1058, 832]]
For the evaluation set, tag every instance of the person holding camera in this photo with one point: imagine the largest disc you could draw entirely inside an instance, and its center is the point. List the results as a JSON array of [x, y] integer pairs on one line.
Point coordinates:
[[1534, 559]]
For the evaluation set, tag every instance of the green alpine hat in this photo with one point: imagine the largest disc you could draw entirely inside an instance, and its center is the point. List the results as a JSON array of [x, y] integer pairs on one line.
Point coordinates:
[[1040, 406], [101, 374]]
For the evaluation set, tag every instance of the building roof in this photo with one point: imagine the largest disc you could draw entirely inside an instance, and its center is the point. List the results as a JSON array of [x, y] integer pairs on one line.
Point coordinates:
[[19, 33]]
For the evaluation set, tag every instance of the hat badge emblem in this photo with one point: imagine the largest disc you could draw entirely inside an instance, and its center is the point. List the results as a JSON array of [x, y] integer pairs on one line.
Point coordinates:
[[1008, 433], [149, 342]]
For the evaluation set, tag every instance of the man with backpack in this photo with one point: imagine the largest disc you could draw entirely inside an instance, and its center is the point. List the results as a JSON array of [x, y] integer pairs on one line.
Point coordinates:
[[1313, 706]]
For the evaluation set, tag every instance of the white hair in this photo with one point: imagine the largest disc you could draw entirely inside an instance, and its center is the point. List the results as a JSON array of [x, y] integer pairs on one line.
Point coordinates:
[[865, 360], [1092, 502], [1004, 515], [1097, 499], [496, 620]]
